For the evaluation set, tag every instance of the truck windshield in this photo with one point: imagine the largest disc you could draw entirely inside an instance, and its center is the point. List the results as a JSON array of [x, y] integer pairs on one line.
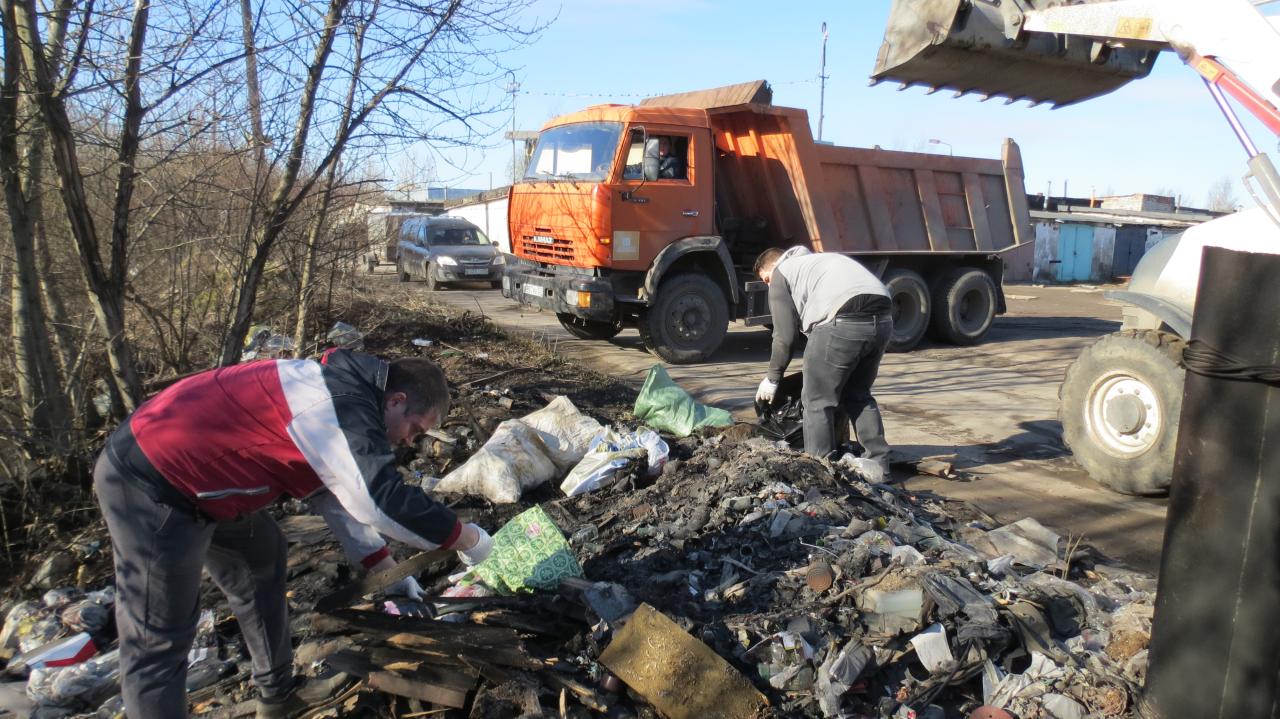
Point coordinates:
[[582, 151]]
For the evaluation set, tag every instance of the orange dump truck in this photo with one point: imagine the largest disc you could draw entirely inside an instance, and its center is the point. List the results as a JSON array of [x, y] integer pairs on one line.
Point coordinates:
[[651, 216]]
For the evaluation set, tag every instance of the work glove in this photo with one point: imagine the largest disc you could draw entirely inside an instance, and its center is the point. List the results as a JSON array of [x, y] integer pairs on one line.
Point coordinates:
[[405, 599], [766, 390], [407, 588], [480, 551]]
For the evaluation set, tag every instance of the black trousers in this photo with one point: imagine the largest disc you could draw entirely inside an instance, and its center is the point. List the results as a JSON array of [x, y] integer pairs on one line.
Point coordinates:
[[841, 362], [159, 554]]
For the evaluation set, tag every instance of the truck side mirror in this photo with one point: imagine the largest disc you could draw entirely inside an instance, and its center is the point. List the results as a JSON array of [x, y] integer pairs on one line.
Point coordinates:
[[652, 161]]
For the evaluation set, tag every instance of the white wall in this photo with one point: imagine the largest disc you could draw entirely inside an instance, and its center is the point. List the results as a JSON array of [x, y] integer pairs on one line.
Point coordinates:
[[1043, 268], [489, 216]]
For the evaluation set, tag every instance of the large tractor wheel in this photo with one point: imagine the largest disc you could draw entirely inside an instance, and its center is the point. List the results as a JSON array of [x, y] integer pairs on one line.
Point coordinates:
[[588, 329], [912, 306], [1119, 404], [687, 321], [964, 304]]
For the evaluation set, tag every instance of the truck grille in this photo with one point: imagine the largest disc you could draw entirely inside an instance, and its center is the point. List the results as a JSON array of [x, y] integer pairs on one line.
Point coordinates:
[[557, 250]]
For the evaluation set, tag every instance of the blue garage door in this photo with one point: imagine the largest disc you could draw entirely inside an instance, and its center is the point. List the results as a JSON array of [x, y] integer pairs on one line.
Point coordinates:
[[1075, 253]]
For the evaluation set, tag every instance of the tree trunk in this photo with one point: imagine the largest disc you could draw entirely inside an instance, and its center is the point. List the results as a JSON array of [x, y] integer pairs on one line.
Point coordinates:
[[305, 290], [105, 296], [280, 208], [40, 390]]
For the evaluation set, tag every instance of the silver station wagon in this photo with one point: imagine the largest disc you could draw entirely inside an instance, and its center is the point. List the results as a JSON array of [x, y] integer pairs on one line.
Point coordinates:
[[443, 250]]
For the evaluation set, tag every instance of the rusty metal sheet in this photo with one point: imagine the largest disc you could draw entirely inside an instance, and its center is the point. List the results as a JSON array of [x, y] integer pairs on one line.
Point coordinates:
[[977, 212], [682, 677], [755, 92]]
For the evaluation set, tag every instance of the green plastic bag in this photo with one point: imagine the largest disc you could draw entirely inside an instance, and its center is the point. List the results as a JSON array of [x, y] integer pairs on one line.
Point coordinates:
[[529, 554], [663, 405]]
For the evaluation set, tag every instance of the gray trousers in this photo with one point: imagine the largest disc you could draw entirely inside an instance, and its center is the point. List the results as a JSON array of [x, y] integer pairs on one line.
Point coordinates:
[[159, 554], [841, 362]]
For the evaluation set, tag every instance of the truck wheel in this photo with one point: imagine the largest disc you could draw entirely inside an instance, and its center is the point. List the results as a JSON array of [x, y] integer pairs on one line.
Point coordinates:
[[964, 303], [911, 308], [1119, 405], [687, 321], [588, 329]]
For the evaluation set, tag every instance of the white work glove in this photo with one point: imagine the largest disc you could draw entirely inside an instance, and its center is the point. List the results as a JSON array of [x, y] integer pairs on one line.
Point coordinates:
[[478, 552], [766, 390], [407, 588]]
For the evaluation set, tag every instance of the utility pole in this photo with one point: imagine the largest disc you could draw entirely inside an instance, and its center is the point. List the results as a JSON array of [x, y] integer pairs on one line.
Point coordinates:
[[822, 82], [513, 87]]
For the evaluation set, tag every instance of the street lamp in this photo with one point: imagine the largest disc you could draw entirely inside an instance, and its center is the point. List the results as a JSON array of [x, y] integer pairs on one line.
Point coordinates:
[[950, 151]]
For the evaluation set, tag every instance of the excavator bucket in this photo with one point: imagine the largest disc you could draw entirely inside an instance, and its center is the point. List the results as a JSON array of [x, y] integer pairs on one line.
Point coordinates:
[[976, 46]]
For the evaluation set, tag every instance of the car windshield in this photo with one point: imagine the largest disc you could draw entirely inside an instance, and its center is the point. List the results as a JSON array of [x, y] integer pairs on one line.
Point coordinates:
[[453, 236], [581, 151]]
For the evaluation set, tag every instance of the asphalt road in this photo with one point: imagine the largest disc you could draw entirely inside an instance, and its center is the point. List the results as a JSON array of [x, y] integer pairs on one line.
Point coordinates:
[[991, 409]]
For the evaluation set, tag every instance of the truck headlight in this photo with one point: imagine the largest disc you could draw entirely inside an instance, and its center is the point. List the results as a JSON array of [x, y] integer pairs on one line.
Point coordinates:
[[446, 261]]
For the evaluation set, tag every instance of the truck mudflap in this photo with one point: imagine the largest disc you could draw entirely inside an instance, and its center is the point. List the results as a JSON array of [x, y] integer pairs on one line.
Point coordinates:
[[589, 298], [979, 47]]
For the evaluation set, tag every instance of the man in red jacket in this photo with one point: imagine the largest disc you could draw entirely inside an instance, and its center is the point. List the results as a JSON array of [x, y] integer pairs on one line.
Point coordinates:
[[185, 481]]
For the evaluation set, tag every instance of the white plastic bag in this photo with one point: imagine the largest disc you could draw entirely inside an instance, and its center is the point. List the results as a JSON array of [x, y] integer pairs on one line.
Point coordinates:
[[610, 453], [523, 453], [567, 433]]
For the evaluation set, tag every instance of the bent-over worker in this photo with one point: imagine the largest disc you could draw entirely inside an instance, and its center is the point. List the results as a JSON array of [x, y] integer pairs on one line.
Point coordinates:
[[184, 484], [846, 313]]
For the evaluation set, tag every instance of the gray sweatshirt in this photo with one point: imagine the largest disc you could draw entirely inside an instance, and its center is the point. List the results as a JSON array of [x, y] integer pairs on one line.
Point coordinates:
[[809, 289]]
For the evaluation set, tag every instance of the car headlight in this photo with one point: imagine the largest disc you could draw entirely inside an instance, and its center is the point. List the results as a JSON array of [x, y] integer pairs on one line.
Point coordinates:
[[499, 260], [446, 261]]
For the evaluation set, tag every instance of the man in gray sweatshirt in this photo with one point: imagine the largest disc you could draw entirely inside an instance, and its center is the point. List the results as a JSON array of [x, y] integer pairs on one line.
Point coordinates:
[[845, 311]]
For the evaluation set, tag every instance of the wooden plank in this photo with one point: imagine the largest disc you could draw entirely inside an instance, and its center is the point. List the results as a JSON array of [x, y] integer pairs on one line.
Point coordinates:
[[414, 687], [875, 196], [977, 212], [682, 677], [931, 207]]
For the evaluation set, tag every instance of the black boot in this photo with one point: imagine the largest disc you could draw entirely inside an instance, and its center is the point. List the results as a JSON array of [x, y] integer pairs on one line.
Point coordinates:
[[306, 692]]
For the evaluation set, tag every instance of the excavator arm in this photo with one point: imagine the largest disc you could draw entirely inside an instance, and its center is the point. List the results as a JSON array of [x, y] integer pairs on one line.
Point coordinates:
[[1068, 51]]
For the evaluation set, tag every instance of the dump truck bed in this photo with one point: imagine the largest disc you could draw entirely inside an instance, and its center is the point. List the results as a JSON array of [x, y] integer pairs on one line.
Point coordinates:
[[845, 199]]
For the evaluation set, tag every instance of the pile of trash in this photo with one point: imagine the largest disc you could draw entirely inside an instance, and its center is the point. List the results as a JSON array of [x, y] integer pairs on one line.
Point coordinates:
[[839, 597]]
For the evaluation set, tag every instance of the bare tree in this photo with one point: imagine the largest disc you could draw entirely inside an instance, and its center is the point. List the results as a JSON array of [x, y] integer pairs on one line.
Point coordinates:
[[1222, 196], [413, 66]]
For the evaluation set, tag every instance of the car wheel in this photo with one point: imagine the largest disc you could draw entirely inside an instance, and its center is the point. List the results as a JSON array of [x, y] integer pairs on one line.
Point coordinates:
[[687, 320], [911, 308]]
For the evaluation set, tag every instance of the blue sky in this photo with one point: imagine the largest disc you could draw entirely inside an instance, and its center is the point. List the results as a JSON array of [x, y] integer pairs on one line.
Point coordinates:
[[1163, 132]]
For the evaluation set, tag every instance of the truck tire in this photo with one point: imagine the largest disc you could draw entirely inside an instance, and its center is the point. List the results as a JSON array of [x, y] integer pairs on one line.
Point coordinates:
[[912, 306], [964, 304], [687, 321], [588, 329], [1119, 404]]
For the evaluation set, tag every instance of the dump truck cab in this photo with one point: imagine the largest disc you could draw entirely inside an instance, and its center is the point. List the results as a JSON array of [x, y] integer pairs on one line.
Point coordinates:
[[613, 195]]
